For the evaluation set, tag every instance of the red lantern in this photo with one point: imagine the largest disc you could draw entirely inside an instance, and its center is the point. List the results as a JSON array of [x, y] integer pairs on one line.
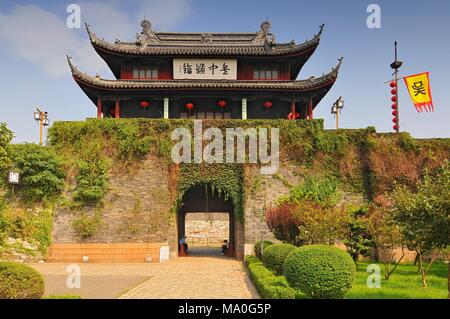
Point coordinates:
[[293, 116], [222, 103], [393, 84], [189, 106], [394, 113], [394, 106], [268, 104], [144, 104], [395, 127], [394, 99], [394, 120], [394, 91]]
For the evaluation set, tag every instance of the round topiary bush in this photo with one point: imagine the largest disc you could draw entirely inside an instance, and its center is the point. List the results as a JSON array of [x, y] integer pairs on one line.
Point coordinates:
[[320, 271], [274, 255], [19, 281], [257, 247]]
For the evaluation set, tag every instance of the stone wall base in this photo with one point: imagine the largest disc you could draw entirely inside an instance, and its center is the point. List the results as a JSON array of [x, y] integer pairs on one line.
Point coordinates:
[[106, 253]]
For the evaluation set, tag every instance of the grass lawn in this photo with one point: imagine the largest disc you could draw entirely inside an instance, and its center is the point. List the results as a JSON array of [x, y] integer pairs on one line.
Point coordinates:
[[405, 283]]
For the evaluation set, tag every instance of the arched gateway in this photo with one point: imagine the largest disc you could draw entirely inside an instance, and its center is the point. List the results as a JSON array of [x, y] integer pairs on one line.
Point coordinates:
[[203, 199]]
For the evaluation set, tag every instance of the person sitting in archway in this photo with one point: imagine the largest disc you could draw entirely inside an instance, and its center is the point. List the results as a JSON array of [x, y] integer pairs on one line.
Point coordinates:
[[183, 243], [225, 247]]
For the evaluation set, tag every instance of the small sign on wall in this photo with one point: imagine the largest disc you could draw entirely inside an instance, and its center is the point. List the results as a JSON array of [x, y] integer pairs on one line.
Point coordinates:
[[205, 69], [13, 178], [163, 253]]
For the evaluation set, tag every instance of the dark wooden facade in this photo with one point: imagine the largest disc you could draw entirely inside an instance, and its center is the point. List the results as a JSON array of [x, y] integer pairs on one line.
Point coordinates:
[[265, 85]]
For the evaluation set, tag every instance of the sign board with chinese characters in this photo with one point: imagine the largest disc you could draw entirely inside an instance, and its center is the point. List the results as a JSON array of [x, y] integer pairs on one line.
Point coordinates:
[[13, 178], [205, 69]]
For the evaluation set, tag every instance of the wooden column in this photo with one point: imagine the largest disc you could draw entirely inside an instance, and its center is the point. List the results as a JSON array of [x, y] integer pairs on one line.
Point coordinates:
[[166, 108], [117, 109], [310, 109], [293, 109], [99, 107], [244, 108]]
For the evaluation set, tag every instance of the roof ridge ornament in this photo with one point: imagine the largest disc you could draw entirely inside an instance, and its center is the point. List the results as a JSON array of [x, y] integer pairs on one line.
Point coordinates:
[[269, 38], [206, 37], [147, 35], [264, 36], [265, 27], [335, 70]]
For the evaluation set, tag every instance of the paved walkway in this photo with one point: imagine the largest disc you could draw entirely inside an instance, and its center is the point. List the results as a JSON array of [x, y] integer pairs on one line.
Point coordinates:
[[98, 281], [210, 277]]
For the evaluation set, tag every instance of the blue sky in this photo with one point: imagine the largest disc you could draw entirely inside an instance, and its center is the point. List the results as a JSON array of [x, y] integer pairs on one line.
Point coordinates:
[[35, 40]]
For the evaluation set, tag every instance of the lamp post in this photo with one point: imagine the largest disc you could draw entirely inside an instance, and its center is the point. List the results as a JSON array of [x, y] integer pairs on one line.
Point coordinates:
[[42, 118], [336, 109]]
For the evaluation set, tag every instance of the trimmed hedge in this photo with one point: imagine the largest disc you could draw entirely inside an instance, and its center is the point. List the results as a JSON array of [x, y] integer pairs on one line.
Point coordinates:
[[320, 271], [19, 281], [274, 255], [257, 247], [268, 285]]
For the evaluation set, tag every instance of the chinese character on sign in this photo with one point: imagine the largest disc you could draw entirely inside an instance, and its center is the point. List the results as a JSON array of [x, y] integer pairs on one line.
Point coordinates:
[[200, 68], [13, 178], [212, 68], [418, 88], [225, 68], [187, 68]]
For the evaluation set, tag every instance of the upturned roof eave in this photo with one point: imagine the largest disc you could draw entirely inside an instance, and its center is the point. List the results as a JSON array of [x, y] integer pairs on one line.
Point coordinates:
[[238, 85]]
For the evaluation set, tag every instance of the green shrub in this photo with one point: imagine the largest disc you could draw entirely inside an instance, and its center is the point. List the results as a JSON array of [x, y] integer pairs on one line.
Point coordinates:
[[19, 281], [41, 171], [249, 259], [86, 226], [323, 191], [268, 285], [320, 271], [257, 247], [6, 136], [274, 256], [92, 181]]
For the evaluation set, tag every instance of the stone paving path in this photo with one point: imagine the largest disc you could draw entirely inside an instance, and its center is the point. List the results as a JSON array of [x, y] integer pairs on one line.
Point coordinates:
[[196, 278], [210, 277], [98, 281]]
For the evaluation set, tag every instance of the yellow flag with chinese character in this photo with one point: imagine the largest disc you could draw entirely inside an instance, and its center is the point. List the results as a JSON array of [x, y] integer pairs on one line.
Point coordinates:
[[420, 92]]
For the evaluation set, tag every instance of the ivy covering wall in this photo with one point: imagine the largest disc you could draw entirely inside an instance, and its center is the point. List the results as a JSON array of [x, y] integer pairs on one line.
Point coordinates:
[[225, 179]]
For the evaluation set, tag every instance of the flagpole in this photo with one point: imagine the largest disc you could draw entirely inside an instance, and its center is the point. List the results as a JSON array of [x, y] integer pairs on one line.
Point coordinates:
[[396, 65]]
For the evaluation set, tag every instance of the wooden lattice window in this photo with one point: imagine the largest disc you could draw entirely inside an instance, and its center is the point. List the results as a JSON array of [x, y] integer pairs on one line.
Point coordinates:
[[145, 72]]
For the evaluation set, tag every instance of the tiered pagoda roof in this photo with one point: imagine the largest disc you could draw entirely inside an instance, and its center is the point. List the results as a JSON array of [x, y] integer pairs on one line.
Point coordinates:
[[312, 83], [248, 48], [204, 44]]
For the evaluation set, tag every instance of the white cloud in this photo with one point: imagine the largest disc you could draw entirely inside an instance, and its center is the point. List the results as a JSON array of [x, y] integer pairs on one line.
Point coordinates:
[[42, 37]]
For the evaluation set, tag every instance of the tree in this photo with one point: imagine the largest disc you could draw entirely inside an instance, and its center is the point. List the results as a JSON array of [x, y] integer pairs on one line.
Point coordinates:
[[358, 239], [321, 225], [424, 215], [306, 222], [309, 214], [282, 222], [386, 234], [41, 171], [6, 137]]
